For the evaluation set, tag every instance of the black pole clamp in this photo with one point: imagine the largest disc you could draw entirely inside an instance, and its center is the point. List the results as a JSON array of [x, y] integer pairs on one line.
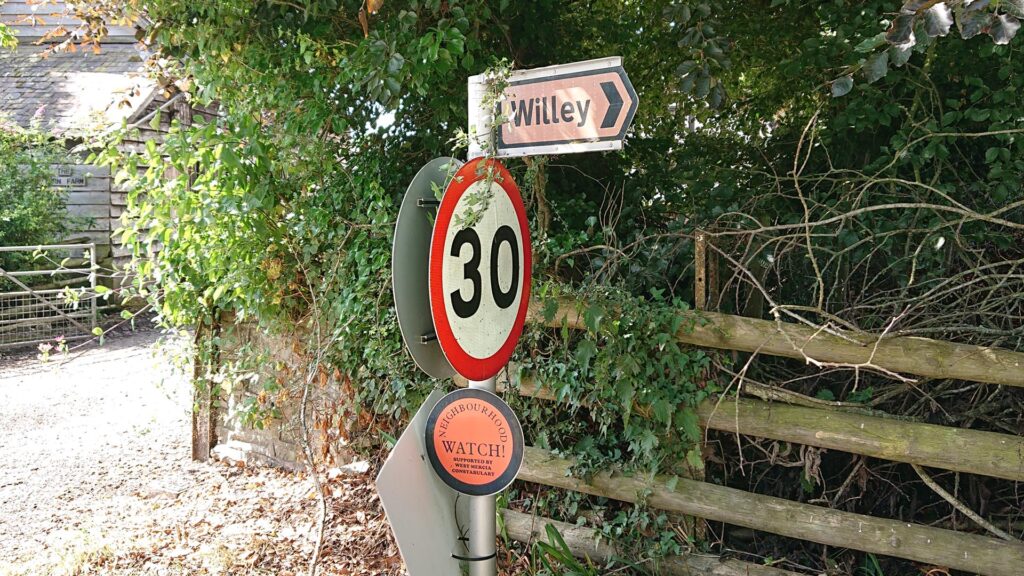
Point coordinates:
[[475, 558]]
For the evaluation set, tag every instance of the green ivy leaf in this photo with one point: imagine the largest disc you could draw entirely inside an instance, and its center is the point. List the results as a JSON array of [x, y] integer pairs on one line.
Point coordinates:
[[937, 20], [229, 158], [899, 55], [550, 309], [687, 82], [876, 67], [901, 31], [979, 114], [842, 86], [807, 483], [693, 459], [686, 67], [825, 394], [870, 44], [585, 352], [624, 391], [915, 6], [717, 96], [973, 23], [703, 86], [592, 317], [690, 424], [861, 396], [648, 441], [1013, 7], [663, 411], [395, 63], [1003, 28]]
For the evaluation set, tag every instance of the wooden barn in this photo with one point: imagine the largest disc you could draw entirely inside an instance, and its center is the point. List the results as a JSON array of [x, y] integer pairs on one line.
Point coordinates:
[[71, 92]]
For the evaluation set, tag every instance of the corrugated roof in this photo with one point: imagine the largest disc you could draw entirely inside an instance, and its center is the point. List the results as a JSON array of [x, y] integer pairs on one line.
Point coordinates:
[[32, 19], [68, 92]]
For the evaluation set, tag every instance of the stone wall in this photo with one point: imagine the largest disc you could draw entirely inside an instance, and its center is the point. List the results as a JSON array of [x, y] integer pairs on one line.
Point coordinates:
[[275, 441]]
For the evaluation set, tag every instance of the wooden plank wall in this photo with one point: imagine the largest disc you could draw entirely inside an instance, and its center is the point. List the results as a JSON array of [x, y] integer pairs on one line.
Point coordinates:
[[143, 132], [88, 200]]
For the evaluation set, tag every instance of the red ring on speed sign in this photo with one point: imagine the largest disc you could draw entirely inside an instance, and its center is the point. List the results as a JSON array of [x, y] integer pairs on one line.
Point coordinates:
[[475, 307]]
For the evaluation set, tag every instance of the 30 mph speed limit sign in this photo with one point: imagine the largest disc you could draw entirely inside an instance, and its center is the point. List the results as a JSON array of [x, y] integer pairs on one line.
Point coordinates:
[[480, 269]]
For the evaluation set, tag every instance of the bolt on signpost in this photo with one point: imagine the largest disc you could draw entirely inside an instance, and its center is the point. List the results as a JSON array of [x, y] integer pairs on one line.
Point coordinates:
[[462, 290]]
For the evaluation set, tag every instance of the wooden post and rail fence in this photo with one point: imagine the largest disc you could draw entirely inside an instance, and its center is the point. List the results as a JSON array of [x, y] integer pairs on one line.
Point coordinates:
[[962, 450]]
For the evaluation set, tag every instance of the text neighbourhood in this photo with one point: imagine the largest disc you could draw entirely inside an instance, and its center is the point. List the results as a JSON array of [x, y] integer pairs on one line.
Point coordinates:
[[480, 407], [474, 442]]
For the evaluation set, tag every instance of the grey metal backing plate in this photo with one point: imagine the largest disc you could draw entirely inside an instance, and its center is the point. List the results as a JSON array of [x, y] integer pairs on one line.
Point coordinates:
[[421, 509], [410, 258]]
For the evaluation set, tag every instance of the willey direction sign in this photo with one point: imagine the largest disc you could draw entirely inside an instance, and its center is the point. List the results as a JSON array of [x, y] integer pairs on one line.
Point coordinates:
[[579, 107]]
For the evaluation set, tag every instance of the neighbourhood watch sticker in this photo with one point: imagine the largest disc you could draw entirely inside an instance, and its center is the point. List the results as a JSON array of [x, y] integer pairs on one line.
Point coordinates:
[[474, 442]]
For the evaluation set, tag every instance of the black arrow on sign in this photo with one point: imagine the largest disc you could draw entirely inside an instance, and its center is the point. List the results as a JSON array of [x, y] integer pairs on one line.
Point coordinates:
[[614, 104]]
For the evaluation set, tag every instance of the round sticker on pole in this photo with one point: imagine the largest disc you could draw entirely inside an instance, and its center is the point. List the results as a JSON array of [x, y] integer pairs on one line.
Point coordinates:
[[480, 269], [474, 442]]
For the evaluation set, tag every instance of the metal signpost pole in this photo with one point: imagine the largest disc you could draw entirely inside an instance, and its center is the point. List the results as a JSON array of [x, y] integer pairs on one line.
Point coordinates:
[[483, 528], [480, 119], [458, 316]]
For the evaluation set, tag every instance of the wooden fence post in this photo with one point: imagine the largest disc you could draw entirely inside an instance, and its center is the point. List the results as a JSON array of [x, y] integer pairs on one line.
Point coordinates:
[[200, 403], [700, 269], [204, 407]]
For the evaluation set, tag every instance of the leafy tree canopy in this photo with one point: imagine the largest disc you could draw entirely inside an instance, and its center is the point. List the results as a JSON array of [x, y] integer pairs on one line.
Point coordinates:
[[846, 209], [850, 166]]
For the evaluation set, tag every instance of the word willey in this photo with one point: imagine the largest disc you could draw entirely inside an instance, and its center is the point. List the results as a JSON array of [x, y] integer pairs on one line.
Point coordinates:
[[536, 111]]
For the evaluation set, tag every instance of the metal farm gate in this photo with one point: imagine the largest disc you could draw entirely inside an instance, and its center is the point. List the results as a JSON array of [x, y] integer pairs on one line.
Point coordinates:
[[47, 293]]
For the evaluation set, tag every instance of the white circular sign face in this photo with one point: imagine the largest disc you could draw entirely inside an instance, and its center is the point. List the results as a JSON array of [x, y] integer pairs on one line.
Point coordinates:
[[480, 274]]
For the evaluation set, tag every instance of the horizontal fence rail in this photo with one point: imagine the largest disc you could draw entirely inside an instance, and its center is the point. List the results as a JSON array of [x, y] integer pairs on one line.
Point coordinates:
[[56, 272], [34, 247], [958, 449], [958, 550], [907, 355], [972, 451], [584, 544]]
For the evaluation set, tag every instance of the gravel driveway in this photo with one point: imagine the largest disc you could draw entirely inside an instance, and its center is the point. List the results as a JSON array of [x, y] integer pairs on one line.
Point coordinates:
[[95, 476]]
